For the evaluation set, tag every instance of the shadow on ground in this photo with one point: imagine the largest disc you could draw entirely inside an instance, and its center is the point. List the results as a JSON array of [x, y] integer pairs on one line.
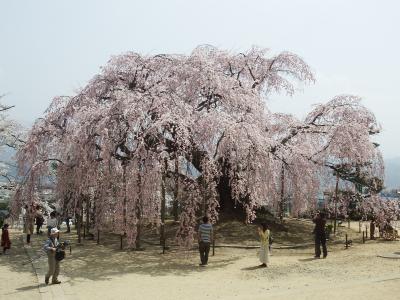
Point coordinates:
[[17, 259], [103, 261]]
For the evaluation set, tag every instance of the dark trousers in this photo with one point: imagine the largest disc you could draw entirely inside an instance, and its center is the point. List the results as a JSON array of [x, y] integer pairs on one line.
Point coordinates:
[[67, 223], [204, 249], [28, 238], [320, 240], [38, 227]]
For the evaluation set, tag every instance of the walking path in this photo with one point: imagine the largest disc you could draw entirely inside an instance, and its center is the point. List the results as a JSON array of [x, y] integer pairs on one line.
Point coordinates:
[[38, 260], [17, 278], [105, 272], [22, 272]]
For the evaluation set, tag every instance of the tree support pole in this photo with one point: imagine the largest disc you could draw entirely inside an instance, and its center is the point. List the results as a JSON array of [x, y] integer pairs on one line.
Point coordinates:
[[163, 204], [281, 204], [336, 201]]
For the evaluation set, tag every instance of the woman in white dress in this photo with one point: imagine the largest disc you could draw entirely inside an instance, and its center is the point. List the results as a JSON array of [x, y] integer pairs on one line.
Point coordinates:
[[264, 233]]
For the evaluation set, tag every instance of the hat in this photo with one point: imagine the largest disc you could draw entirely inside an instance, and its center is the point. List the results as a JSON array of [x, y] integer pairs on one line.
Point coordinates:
[[54, 230]]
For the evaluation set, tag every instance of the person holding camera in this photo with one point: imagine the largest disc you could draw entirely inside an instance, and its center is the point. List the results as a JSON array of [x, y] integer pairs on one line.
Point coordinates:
[[51, 247]]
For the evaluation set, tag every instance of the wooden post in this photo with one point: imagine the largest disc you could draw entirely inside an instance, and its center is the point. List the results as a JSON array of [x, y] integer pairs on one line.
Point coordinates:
[[348, 223], [213, 247], [359, 226], [347, 243], [84, 231], [163, 247], [120, 247], [336, 201], [363, 238], [98, 237], [366, 232]]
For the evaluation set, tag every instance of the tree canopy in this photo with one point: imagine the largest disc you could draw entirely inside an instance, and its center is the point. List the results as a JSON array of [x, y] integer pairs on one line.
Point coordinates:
[[144, 118]]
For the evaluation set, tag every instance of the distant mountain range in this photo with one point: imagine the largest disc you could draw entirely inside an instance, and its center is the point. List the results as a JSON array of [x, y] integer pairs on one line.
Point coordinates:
[[392, 173]]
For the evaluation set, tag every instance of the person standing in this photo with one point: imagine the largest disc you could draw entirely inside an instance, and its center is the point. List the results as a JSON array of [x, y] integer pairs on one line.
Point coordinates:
[[39, 220], [52, 222], [5, 238], [264, 234], [320, 235], [205, 236], [372, 230], [50, 247], [28, 224], [67, 220]]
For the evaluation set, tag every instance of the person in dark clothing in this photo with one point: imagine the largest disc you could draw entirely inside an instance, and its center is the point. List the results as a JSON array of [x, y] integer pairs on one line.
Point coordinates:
[[5, 238], [39, 220], [67, 223], [320, 236]]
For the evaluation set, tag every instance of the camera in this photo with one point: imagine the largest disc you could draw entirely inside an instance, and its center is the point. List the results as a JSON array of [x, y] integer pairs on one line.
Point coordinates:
[[64, 244]]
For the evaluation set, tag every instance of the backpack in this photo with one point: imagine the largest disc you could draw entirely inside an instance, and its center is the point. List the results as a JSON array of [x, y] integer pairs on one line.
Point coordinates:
[[60, 254]]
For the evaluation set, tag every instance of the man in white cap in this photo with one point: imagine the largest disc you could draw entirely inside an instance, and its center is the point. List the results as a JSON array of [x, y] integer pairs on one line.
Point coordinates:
[[54, 265]]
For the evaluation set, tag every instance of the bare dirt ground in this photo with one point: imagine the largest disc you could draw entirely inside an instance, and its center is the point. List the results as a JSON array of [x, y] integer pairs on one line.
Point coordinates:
[[17, 278], [104, 272]]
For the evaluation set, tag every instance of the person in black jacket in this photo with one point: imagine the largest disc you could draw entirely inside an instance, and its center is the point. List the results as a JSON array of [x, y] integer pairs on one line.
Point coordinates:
[[320, 236], [39, 220]]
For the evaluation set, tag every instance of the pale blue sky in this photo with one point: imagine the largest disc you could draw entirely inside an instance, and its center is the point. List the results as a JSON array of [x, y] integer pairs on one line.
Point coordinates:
[[50, 48]]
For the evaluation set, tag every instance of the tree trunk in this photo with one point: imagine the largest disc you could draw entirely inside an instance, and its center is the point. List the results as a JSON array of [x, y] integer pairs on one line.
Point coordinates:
[[79, 219], [204, 202], [139, 209], [87, 214], [124, 191], [175, 203], [225, 193]]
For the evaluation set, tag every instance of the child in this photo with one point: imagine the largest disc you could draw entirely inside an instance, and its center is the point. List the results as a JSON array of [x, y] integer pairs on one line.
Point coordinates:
[[263, 232], [5, 239]]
